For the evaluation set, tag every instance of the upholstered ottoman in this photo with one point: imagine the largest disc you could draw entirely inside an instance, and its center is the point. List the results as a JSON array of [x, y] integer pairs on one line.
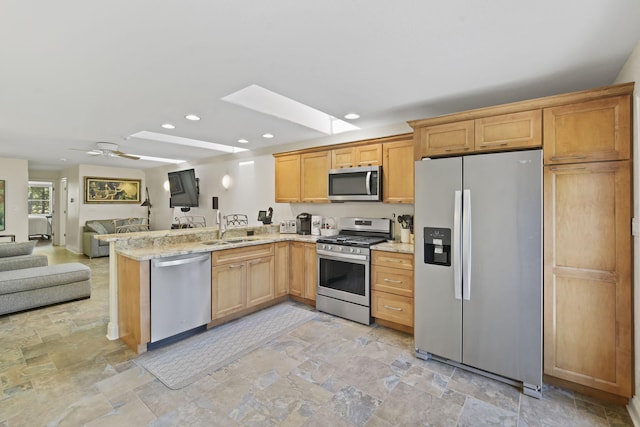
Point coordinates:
[[39, 286]]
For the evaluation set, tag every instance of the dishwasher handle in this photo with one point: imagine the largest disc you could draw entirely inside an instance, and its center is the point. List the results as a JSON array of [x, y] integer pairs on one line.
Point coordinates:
[[181, 261]]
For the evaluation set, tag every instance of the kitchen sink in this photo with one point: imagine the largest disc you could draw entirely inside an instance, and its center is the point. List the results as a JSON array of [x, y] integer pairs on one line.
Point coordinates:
[[242, 239], [216, 243]]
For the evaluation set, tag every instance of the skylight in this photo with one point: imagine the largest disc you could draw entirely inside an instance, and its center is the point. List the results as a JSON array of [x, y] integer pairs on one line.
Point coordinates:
[[265, 101], [178, 140]]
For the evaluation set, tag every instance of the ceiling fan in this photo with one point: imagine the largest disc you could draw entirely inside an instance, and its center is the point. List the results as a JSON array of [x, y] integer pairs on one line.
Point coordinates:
[[108, 149]]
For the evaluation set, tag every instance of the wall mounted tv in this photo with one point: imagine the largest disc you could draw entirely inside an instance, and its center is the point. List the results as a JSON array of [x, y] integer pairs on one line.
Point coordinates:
[[183, 186]]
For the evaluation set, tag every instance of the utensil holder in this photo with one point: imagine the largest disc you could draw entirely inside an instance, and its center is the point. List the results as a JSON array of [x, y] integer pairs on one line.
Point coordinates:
[[404, 235]]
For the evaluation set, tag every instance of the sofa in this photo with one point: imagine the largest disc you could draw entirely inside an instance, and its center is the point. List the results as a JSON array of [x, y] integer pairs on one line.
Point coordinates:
[[93, 247], [27, 281]]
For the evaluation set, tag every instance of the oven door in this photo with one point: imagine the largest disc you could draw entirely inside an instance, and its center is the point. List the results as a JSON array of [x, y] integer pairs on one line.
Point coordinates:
[[344, 277]]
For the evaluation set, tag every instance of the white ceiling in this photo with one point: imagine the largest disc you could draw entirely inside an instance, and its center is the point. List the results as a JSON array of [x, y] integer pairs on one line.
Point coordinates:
[[74, 72]]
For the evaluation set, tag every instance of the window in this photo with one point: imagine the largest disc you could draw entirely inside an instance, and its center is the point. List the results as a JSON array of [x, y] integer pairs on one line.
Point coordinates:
[[39, 198]]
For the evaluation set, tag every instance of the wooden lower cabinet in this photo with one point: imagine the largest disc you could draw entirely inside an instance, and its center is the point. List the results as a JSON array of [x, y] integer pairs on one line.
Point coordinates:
[[134, 303], [587, 275], [392, 287], [241, 278], [281, 273], [302, 281]]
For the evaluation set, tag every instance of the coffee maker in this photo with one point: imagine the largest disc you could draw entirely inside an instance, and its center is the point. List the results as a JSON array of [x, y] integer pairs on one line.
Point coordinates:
[[303, 223]]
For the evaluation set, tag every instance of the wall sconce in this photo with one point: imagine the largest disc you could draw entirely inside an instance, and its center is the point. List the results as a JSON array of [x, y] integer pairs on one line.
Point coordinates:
[[226, 181]]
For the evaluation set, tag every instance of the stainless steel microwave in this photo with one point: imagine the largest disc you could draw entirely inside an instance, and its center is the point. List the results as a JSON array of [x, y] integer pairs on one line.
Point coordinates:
[[355, 184]]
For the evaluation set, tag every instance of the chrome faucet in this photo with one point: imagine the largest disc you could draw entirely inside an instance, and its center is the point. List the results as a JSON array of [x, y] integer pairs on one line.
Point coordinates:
[[221, 226]]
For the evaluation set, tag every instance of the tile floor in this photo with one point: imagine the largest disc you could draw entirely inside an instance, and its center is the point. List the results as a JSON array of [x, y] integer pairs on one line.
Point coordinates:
[[58, 369]]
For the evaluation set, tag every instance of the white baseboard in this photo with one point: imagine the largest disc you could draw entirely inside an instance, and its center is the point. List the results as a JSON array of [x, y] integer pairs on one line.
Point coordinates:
[[634, 410]]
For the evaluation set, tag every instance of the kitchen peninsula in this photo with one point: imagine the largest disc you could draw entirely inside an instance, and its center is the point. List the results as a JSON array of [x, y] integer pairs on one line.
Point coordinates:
[[244, 254]]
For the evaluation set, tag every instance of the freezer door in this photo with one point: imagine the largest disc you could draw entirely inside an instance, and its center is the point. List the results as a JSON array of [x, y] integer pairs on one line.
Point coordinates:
[[438, 313], [502, 299]]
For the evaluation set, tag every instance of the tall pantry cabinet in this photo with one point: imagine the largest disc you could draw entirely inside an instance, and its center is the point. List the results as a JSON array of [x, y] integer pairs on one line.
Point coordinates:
[[588, 244]]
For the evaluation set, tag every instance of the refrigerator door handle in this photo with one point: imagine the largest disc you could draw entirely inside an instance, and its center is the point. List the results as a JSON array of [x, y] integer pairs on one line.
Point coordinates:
[[466, 244], [457, 270]]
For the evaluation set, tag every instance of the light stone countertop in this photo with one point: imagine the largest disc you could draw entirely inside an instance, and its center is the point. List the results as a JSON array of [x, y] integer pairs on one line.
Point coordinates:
[[405, 248], [144, 246]]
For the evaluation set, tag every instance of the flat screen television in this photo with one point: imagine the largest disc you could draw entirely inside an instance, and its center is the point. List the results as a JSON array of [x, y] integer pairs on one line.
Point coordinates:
[[183, 187]]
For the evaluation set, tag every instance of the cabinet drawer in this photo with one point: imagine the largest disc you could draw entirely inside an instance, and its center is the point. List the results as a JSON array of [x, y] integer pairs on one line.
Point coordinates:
[[241, 254], [507, 131], [392, 259], [393, 280], [394, 308]]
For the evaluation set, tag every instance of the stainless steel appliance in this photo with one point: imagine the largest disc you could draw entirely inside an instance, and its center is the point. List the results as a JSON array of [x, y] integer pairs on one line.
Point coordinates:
[[303, 223], [478, 264], [288, 226], [180, 294], [344, 265], [355, 184]]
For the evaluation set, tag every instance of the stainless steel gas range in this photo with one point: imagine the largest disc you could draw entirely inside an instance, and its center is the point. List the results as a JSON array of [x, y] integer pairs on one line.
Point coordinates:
[[344, 265]]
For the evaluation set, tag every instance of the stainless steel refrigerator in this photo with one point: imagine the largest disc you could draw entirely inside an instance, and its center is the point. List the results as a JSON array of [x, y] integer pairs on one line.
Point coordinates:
[[478, 264]]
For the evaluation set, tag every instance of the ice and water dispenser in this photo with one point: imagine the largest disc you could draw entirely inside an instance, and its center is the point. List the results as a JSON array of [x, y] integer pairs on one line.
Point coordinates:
[[437, 246]]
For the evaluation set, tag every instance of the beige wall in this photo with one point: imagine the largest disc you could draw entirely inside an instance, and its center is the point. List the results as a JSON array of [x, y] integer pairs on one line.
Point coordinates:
[[629, 73], [78, 212], [15, 173]]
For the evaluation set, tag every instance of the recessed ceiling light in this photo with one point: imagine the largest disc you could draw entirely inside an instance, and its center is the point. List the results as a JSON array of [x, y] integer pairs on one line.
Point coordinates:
[[168, 126], [352, 116], [192, 117], [267, 135], [243, 141]]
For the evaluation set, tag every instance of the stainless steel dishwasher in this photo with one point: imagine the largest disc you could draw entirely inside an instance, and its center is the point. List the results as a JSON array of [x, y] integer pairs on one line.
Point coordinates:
[[180, 294]]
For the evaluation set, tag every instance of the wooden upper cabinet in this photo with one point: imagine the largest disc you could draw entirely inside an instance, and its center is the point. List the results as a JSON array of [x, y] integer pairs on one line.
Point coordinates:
[[588, 131], [446, 139], [587, 275], [314, 169], [397, 170], [362, 155], [287, 169], [343, 157], [368, 155], [507, 131]]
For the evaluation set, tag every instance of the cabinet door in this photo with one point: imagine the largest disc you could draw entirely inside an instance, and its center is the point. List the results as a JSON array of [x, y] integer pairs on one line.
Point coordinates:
[[446, 139], [342, 158], [287, 178], [315, 176], [310, 272], [588, 131], [368, 155], [281, 274], [228, 289], [297, 278], [508, 131], [587, 275], [259, 280], [397, 170]]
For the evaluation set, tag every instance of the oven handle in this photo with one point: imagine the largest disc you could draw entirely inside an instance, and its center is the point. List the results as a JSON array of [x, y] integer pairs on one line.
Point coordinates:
[[338, 257]]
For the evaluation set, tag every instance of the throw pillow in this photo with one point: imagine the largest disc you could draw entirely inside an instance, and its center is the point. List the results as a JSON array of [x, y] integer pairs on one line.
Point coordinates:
[[16, 249], [97, 227]]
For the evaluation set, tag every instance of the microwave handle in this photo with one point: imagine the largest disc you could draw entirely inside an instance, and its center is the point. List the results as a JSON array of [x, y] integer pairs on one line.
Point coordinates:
[[369, 183]]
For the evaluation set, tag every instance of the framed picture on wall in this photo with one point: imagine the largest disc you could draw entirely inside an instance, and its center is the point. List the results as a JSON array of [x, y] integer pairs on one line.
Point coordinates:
[[111, 190], [2, 226]]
